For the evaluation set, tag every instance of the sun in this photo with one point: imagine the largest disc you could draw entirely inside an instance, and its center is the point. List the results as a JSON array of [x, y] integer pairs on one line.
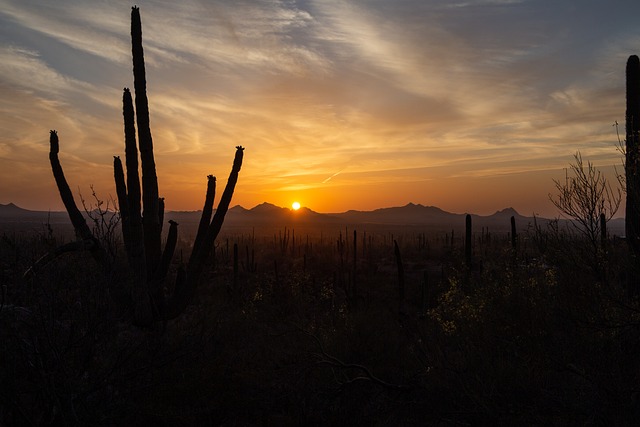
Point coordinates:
[[295, 206]]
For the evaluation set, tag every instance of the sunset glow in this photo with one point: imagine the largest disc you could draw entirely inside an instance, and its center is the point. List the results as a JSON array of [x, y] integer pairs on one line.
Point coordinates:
[[295, 206], [468, 106]]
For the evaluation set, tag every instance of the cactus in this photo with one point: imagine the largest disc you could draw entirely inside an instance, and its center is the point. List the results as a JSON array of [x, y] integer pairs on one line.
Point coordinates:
[[603, 232], [514, 235], [632, 164], [142, 212], [467, 241], [355, 266], [401, 296]]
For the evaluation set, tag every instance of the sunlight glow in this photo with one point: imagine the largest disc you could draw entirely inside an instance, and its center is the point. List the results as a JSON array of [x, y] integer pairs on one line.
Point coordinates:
[[295, 206]]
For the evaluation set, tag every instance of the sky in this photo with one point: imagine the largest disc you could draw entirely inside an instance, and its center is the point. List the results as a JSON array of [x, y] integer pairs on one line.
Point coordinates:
[[470, 106]]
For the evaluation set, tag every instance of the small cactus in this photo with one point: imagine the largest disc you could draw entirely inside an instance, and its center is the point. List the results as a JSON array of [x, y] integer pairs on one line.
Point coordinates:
[[467, 241], [514, 235]]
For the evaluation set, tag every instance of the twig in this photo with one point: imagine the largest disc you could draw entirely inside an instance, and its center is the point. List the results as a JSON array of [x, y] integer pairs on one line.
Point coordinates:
[[325, 358], [78, 245]]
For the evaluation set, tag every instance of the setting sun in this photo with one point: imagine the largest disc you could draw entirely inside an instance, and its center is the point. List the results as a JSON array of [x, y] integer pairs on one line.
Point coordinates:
[[295, 206]]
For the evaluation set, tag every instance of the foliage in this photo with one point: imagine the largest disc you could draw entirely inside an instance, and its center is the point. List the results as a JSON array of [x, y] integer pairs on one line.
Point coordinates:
[[584, 196]]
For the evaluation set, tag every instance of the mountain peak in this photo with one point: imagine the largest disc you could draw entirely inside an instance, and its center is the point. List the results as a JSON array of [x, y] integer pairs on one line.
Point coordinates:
[[238, 208], [265, 207], [507, 211], [11, 208]]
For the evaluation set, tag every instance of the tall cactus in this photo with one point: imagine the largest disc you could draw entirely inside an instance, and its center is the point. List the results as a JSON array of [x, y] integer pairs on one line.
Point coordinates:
[[632, 160], [142, 211]]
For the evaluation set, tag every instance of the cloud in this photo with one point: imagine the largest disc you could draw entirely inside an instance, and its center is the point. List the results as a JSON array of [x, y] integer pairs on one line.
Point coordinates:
[[410, 92]]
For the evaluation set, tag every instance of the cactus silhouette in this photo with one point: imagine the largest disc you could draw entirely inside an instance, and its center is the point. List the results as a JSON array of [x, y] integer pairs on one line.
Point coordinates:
[[142, 210], [632, 162], [467, 241], [514, 236]]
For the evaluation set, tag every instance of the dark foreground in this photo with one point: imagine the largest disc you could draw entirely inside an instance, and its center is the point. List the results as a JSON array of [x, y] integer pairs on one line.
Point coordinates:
[[308, 330]]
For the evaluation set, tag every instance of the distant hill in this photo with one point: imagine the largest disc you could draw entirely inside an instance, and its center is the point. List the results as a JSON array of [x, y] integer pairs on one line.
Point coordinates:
[[269, 213], [11, 212], [409, 214], [11, 209]]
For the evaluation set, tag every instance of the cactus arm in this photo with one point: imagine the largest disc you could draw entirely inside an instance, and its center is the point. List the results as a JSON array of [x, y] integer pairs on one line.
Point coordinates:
[[79, 224], [207, 211], [225, 200], [150, 199], [221, 211], [121, 193], [131, 155], [169, 248], [186, 282], [78, 221], [198, 256]]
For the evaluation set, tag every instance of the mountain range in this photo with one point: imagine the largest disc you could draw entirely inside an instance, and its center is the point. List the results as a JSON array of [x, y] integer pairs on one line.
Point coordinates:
[[269, 215]]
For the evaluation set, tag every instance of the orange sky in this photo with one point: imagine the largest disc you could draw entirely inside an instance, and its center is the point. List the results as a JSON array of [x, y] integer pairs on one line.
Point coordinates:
[[468, 106]]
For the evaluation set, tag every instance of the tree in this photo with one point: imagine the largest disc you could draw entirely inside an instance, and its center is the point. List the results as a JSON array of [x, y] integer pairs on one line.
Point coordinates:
[[584, 196]]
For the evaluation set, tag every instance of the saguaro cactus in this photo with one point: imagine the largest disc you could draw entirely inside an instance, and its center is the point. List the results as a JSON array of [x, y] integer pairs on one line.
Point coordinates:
[[632, 160], [142, 212], [467, 241]]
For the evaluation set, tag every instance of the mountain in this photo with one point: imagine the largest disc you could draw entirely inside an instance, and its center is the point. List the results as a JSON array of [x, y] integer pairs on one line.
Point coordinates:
[[11, 209], [409, 214], [267, 213], [267, 216], [11, 212]]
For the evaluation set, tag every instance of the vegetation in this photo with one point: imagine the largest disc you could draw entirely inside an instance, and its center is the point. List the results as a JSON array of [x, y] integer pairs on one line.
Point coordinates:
[[584, 197], [534, 335]]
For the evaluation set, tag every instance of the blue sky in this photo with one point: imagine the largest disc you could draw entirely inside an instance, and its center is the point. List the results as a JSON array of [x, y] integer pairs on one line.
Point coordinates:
[[471, 106]]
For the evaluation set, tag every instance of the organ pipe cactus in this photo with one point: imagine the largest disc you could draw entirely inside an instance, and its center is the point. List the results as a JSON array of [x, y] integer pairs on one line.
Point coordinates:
[[142, 210]]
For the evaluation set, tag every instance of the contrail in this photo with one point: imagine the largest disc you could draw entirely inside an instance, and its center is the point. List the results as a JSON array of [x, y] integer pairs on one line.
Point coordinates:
[[335, 174]]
